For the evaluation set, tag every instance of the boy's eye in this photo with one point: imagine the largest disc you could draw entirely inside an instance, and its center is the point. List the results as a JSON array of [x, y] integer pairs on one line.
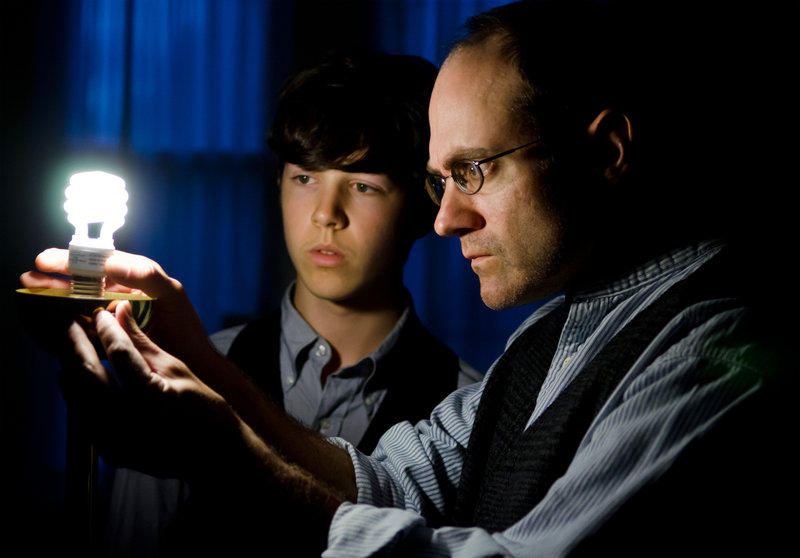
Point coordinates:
[[303, 178], [363, 188]]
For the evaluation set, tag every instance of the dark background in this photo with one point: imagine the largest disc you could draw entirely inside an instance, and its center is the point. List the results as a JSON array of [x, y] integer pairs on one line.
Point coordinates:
[[741, 60]]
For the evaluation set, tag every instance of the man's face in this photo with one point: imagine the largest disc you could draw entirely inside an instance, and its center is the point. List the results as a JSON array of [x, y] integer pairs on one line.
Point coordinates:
[[512, 235], [342, 232]]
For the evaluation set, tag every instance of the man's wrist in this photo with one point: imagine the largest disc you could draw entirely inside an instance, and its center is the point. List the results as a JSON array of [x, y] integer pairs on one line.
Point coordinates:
[[249, 474]]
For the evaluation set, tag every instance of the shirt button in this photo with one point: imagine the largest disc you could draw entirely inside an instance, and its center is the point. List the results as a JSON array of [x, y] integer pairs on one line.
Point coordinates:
[[325, 424], [321, 351], [369, 400], [289, 380]]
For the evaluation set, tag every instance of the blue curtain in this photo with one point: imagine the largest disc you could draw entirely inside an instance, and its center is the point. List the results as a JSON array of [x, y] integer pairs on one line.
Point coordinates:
[[178, 90], [179, 77], [183, 90]]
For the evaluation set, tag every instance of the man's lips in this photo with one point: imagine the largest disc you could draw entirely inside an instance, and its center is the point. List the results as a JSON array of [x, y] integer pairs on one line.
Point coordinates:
[[475, 255], [476, 259]]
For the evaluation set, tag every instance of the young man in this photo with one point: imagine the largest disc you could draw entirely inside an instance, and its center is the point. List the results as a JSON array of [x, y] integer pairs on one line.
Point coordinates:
[[343, 353], [616, 422]]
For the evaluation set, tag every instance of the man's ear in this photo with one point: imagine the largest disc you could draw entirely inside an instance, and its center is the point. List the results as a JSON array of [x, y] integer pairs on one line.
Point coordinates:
[[613, 129]]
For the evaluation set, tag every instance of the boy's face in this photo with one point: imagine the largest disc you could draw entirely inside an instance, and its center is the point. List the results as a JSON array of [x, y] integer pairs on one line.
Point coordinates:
[[343, 233]]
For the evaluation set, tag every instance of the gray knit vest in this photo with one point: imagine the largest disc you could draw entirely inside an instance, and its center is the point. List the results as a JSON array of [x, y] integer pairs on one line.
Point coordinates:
[[508, 469]]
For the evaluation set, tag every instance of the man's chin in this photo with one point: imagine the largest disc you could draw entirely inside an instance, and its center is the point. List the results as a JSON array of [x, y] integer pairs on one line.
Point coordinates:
[[496, 297], [503, 296]]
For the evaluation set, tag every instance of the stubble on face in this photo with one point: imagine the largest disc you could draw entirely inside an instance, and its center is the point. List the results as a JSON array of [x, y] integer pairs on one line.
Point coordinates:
[[528, 247], [516, 223]]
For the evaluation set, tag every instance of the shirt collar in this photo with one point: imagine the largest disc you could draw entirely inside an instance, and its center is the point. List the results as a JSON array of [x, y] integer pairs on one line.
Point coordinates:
[[300, 337], [670, 262], [678, 262], [297, 334]]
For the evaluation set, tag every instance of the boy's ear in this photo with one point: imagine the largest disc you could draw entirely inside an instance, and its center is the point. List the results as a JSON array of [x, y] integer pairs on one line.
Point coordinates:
[[612, 132]]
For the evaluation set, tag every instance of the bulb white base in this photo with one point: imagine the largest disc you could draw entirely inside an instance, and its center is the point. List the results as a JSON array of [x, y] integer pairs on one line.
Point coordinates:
[[87, 264]]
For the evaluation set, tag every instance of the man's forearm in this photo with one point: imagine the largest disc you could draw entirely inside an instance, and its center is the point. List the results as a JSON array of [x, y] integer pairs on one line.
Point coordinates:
[[254, 499], [283, 437], [264, 462]]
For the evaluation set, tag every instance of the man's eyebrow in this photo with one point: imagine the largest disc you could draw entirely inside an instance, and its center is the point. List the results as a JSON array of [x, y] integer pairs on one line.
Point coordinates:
[[430, 170], [464, 154]]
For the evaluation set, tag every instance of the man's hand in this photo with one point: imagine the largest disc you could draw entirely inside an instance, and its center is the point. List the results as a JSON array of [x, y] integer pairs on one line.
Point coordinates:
[[125, 273], [175, 325], [151, 412], [213, 379]]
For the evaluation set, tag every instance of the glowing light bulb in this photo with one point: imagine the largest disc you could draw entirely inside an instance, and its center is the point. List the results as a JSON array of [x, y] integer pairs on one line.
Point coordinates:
[[96, 207]]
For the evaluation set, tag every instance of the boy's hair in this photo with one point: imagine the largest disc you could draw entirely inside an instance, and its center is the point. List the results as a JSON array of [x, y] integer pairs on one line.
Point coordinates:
[[360, 111]]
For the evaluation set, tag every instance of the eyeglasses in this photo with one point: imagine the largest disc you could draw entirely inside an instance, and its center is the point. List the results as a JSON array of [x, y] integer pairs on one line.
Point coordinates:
[[466, 174]]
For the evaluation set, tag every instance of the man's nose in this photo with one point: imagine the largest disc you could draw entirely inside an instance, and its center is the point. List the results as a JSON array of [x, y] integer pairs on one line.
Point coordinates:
[[457, 214]]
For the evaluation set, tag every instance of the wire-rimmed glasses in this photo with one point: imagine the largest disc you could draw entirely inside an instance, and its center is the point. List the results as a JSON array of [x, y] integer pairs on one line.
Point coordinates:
[[466, 174]]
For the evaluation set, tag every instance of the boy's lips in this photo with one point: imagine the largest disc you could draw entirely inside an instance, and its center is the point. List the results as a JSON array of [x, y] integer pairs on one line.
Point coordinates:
[[326, 256]]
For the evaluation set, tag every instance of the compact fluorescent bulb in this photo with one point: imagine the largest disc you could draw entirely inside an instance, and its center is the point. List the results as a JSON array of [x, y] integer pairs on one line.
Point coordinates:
[[96, 207]]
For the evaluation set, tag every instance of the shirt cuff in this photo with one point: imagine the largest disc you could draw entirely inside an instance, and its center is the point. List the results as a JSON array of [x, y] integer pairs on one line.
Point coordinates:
[[363, 530], [375, 485]]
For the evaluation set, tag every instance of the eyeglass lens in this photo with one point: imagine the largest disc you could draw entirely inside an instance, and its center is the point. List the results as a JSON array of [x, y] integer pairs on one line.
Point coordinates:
[[435, 187], [468, 175]]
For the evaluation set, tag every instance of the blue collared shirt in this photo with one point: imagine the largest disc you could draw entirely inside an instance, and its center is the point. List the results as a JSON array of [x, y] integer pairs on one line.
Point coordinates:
[[347, 402], [659, 407]]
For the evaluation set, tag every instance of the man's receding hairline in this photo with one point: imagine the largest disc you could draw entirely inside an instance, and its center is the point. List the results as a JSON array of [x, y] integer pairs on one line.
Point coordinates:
[[490, 45], [498, 41]]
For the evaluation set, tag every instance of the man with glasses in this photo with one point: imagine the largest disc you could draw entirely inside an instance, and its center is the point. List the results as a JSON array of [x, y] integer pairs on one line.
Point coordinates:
[[628, 414]]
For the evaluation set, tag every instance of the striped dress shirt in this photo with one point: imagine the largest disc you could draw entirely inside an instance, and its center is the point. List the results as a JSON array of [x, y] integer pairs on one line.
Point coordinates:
[[407, 487]]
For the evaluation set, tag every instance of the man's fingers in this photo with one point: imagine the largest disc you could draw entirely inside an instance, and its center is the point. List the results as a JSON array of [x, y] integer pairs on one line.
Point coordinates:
[[124, 271], [140, 273], [50, 261], [34, 279], [140, 341], [130, 366], [81, 356], [53, 260]]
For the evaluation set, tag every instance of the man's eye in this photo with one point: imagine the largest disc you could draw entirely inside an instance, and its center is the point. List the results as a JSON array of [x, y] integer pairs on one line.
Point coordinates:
[[303, 178], [363, 188], [486, 168]]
